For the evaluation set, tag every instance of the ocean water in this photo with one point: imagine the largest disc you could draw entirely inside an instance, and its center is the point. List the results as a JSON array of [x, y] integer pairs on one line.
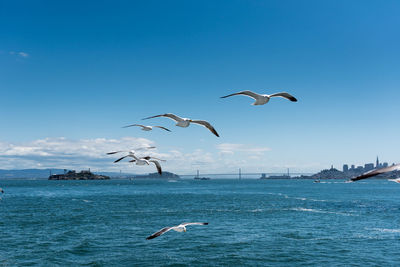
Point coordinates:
[[251, 223]]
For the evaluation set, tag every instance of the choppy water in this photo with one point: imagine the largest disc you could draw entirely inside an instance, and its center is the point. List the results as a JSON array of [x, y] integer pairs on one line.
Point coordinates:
[[251, 222]]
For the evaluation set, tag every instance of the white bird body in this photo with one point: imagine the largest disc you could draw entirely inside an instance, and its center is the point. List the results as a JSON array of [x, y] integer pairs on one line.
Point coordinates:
[[147, 128], [142, 162], [262, 99], [185, 122], [152, 160], [138, 161], [178, 228]]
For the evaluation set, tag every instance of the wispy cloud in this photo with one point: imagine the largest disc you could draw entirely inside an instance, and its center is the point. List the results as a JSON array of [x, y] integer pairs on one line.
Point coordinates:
[[20, 54], [91, 153], [228, 148], [65, 153]]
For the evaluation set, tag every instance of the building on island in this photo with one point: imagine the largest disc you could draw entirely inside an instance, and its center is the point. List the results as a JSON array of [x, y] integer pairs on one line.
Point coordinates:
[[73, 175]]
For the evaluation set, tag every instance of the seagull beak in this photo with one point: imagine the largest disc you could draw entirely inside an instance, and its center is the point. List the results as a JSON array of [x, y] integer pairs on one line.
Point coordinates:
[[184, 230]]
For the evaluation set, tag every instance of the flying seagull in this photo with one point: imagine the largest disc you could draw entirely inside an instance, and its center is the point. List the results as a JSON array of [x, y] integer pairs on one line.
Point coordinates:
[[131, 151], [185, 122], [143, 161], [158, 165], [263, 99], [178, 228], [139, 161], [147, 127], [376, 172]]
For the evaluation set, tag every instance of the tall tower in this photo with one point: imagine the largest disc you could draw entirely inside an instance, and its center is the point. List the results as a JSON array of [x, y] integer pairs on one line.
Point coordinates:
[[377, 162]]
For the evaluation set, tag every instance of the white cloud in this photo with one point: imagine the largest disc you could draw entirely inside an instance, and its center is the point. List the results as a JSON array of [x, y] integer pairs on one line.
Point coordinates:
[[20, 54], [23, 54], [64, 153], [91, 153], [228, 148]]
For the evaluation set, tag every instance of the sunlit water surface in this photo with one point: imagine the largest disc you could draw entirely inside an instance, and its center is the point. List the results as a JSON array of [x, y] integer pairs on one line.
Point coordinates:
[[251, 222]]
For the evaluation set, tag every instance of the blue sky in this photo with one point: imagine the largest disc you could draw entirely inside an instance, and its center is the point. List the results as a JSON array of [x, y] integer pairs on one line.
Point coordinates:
[[72, 73]]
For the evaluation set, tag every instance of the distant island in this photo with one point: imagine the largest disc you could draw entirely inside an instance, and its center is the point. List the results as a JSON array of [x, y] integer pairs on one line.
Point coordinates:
[[83, 175], [155, 175]]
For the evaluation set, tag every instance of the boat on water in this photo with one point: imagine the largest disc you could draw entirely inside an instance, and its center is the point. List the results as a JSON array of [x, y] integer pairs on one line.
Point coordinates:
[[317, 181], [201, 178]]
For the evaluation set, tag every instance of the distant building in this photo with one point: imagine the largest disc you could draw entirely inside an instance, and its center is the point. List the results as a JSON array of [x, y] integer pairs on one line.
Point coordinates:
[[345, 168], [263, 176], [353, 167], [368, 166], [385, 164], [377, 162]]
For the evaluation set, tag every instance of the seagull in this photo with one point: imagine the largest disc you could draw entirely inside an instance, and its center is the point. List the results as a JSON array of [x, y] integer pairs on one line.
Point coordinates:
[[376, 172], [1, 190], [139, 161], [263, 99], [143, 161], [158, 165], [178, 228], [397, 180], [131, 151], [147, 127], [185, 122]]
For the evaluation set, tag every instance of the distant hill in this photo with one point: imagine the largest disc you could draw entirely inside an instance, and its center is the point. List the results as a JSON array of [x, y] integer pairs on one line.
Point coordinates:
[[28, 173]]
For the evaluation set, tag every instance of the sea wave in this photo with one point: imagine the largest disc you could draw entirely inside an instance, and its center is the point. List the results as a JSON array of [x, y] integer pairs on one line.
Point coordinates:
[[384, 230], [320, 211]]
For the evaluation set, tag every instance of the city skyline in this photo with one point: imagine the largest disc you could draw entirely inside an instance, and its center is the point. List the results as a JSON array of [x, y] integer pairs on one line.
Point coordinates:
[[72, 74]]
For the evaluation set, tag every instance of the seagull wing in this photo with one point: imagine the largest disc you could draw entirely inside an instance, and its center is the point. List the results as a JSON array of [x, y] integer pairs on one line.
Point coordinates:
[[114, 152], [162, 128], [168, 115], [376, 172], [162, 231], [158, 165], [149, 158], [194, 223], [120, 159], [285, 95], [246, 93], [139, 148], [207, 125], [133, 125]]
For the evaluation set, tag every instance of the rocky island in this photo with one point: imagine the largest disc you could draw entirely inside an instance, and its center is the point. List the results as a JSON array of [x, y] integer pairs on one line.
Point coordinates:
[[83, 175]]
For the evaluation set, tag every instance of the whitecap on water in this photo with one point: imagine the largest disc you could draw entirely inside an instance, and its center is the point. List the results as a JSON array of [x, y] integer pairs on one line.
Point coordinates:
[[384, 230], [321, 211]]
